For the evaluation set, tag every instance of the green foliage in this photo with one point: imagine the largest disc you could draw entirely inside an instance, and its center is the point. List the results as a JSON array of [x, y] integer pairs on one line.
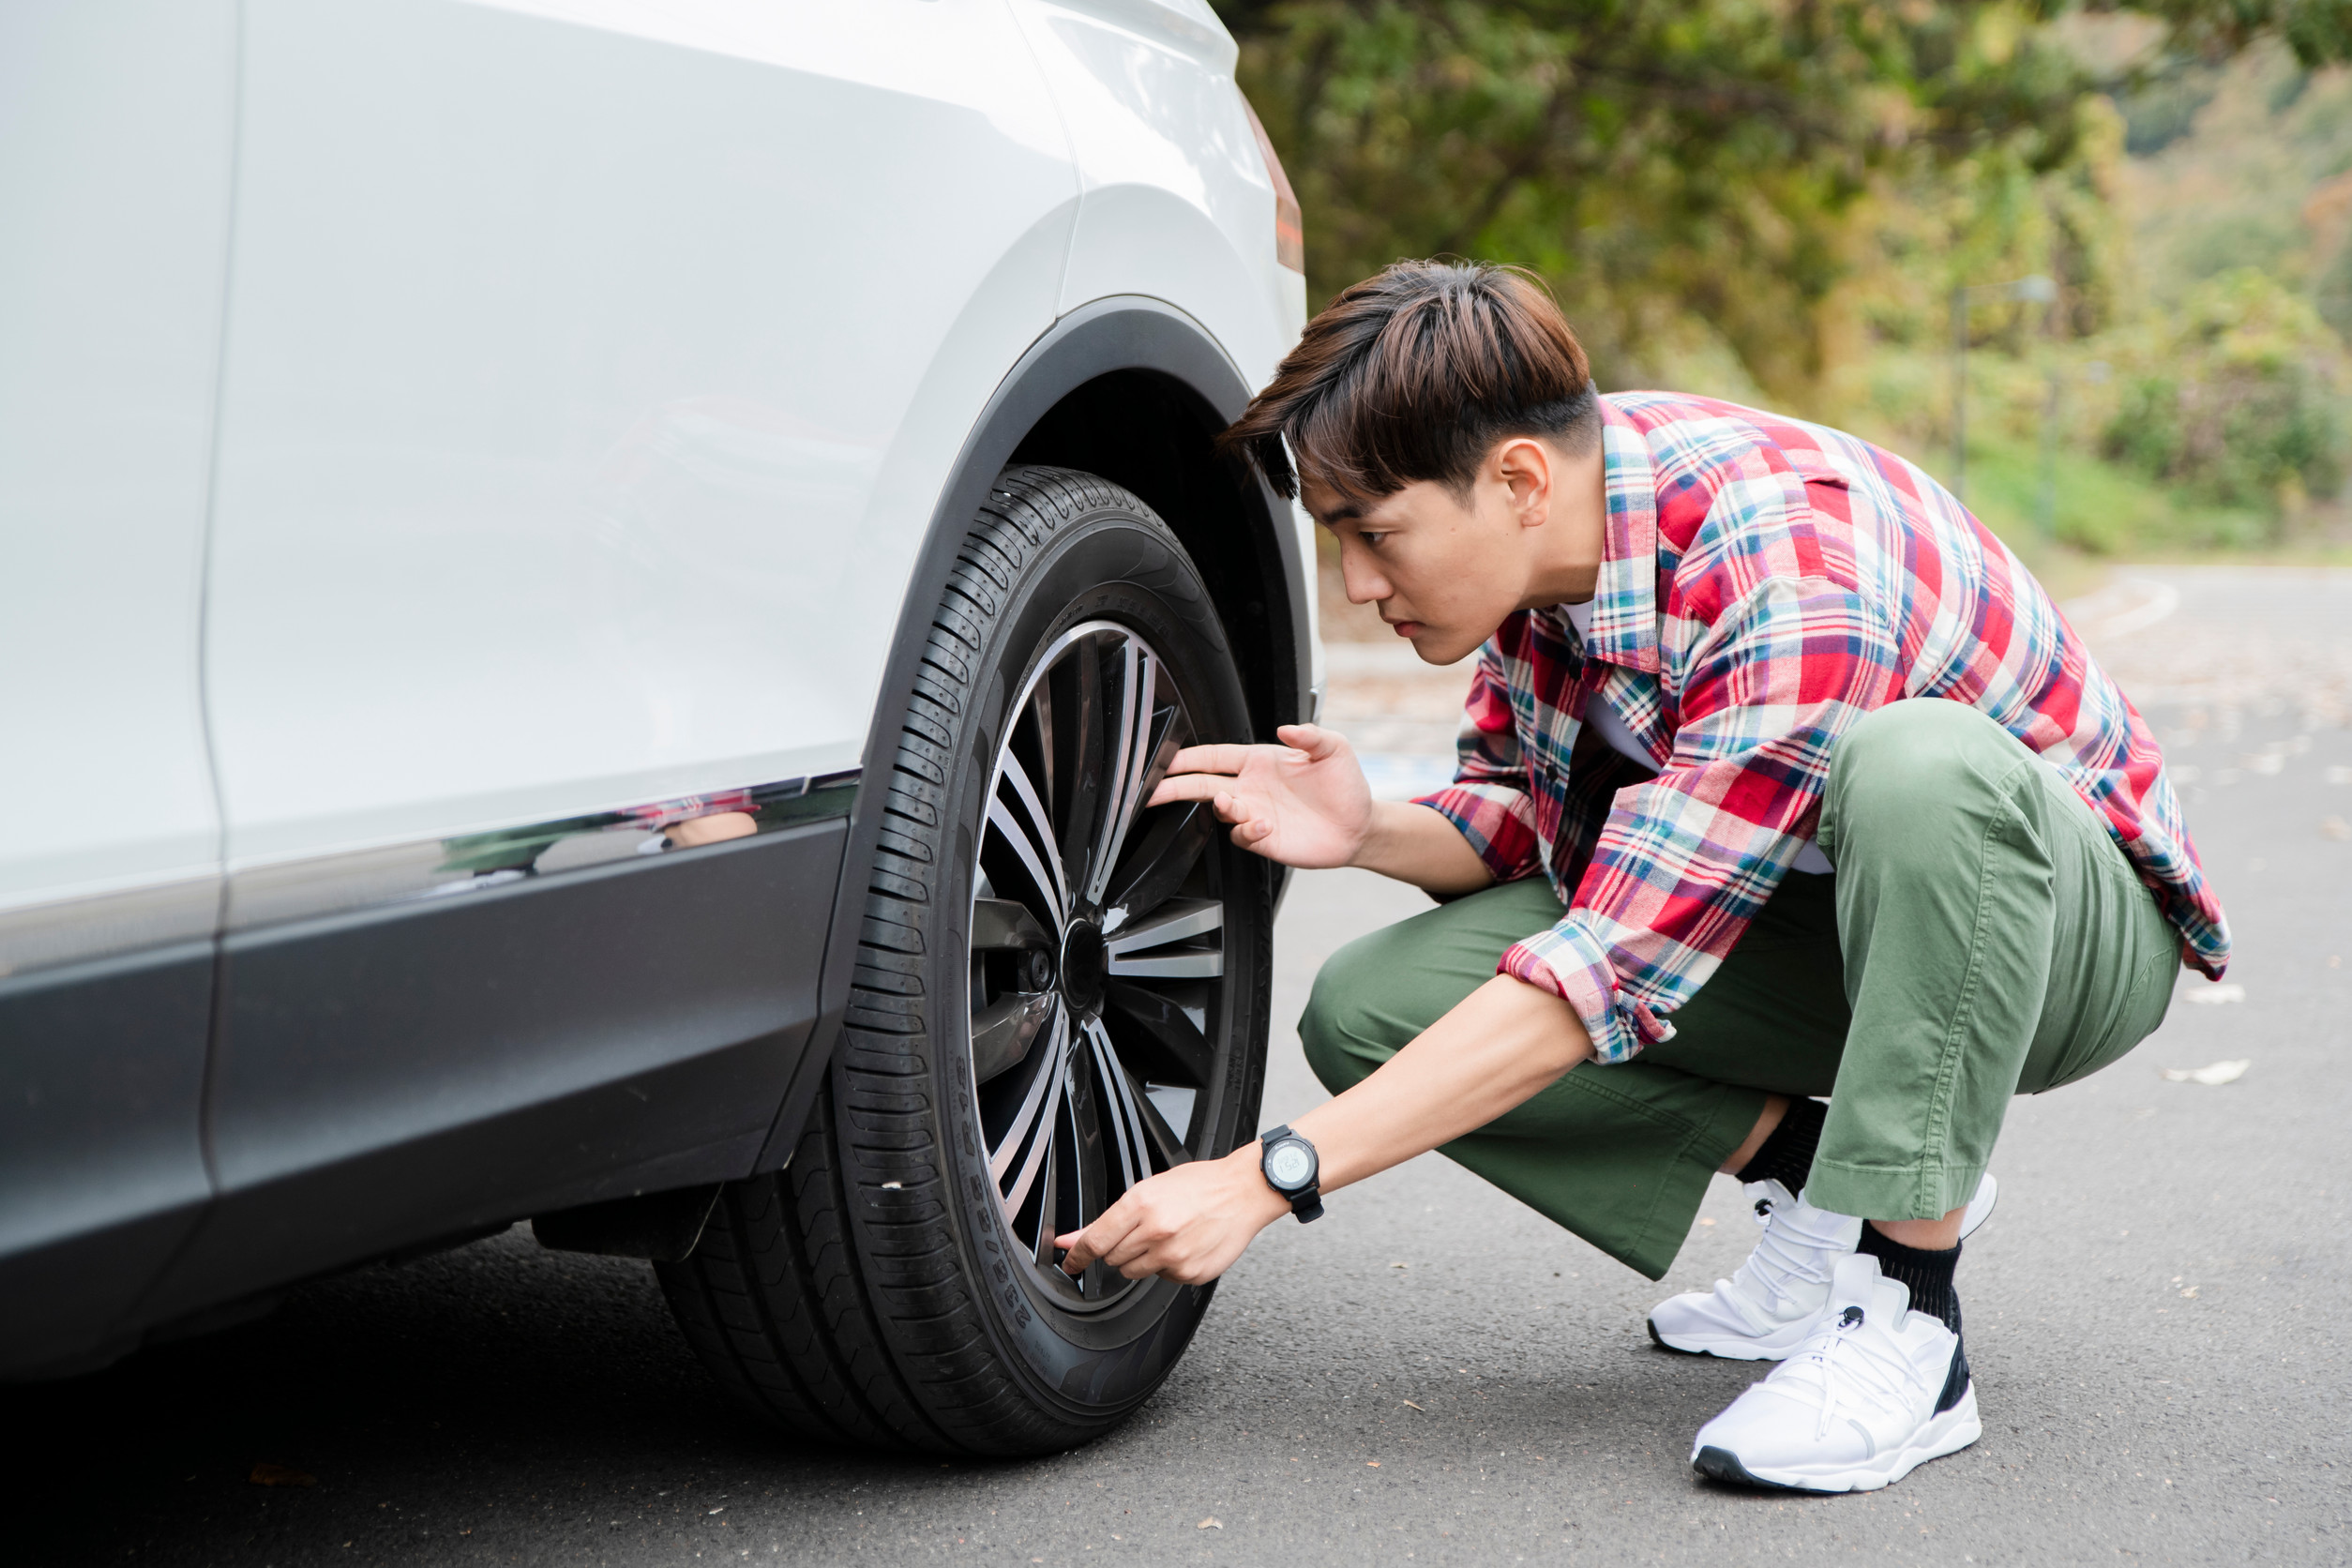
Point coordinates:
[[2096, 509], [2166, 109], [1771, 200], [1720, 176], [2318, 31], [2237, 395], [1774, 200], [2260, 182], [1681, 170]]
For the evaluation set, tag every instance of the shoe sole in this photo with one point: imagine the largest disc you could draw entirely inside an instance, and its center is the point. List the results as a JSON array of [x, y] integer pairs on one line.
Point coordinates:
[[1735, 1347], [1947, 1433], [1741, 1348]]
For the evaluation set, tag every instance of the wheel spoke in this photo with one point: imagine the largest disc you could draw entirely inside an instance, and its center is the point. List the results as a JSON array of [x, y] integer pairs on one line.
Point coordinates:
[[1170, 733], [1174, 734], [1162, 859], [1126, 1127], [1163, 1138], [1003, 1032], [1173, 920], [998, 925], [1041, 713], [1138, 707], [1040, 1156], [1048, 1215], [1086, 1143], [1035, 1115], [1077, 687], [1164, 1045], [1044, 867], [1174, 963]]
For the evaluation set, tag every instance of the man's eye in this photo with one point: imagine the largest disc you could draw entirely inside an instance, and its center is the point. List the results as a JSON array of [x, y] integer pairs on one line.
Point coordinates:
[[1371, 538]]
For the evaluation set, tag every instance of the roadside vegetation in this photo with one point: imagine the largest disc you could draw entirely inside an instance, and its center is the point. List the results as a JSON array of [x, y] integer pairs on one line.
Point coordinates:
[[1774, 201]]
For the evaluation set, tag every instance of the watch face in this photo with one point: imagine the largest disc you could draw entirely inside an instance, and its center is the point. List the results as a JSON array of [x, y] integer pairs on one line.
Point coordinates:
[[1288, 1165]]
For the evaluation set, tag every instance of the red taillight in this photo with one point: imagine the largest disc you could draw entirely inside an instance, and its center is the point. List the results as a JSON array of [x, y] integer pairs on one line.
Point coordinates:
[[1289, 231]]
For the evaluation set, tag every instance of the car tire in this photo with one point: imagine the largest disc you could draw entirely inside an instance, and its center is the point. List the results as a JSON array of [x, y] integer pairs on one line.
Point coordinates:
[[1058, 991]]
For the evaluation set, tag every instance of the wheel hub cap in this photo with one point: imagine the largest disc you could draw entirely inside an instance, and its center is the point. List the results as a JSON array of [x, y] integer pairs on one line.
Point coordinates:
[[1084, 960]]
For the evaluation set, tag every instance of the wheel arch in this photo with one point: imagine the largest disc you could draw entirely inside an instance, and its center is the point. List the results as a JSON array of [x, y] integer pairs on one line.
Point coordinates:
[[1133, 389]]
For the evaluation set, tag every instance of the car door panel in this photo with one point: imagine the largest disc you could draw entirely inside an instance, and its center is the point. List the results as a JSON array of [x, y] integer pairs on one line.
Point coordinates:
[[117, 132], [568, 343], [568, 340]]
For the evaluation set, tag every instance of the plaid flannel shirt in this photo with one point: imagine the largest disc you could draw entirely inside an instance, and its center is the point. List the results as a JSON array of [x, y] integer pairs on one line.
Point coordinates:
[[1765, 582]]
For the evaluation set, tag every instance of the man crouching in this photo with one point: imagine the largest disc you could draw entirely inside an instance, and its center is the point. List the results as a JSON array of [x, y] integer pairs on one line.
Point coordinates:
[[1780, 778]]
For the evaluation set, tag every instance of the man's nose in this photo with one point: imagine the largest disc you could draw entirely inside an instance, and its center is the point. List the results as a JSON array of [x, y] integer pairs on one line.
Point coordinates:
[[1364, 586]]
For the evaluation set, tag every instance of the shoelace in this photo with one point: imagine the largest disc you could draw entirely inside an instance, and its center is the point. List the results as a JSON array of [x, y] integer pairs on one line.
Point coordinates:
[[1789, 1251], [1835, 1351]]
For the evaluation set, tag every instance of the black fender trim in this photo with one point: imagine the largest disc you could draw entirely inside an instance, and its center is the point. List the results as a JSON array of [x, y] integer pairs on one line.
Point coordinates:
[[1124, 331]]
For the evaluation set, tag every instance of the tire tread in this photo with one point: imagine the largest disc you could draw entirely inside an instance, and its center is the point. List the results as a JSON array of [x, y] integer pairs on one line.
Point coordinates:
[[882, 1344]]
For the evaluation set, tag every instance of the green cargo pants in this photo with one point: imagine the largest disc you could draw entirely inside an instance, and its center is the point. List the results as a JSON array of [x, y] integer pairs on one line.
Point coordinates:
[[1983, 936]]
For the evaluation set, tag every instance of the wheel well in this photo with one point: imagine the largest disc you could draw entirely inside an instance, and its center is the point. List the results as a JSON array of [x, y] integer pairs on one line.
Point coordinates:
[[1132, 389], [1151, 434]]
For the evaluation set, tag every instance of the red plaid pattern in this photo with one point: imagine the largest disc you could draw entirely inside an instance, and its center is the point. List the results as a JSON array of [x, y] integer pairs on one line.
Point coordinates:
[[1765, 583]]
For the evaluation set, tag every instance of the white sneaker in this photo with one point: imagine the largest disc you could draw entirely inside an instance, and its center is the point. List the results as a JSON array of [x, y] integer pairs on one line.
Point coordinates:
[[1764, 1311], [1876, 1391]]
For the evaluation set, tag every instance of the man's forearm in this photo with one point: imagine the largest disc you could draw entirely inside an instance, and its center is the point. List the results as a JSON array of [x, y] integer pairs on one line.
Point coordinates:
[[1500, 1046], [1415, 844]]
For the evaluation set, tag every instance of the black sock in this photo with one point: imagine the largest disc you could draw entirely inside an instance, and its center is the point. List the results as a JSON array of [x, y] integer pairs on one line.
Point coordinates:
[[1787, 1155], [1928, 1274]]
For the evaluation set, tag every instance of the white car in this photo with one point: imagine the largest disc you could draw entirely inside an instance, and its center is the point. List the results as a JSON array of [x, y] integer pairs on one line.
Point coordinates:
[[594, 590]]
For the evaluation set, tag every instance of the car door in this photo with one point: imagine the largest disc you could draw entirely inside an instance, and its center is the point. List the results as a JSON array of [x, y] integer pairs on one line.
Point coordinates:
[[115, 132], [574, 437]]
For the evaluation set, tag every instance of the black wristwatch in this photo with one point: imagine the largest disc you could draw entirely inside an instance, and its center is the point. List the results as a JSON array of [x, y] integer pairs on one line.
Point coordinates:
[[1291, 1170]]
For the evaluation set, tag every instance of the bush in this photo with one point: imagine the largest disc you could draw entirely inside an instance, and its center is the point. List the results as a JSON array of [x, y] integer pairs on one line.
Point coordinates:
[[2240, 398]]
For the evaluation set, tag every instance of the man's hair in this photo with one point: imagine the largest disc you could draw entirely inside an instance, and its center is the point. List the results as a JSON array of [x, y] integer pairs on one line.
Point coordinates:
[[1416, 374]]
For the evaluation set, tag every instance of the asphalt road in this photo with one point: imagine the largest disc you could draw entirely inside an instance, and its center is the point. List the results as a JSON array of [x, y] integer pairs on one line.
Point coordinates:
[[1432, 1375]]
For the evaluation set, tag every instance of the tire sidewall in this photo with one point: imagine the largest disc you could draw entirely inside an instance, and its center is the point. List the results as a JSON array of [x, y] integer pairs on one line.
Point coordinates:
[[1119, 565]]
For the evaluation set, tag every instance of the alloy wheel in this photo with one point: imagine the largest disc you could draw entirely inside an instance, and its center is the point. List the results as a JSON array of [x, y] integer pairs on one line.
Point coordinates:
[[1097, 956]]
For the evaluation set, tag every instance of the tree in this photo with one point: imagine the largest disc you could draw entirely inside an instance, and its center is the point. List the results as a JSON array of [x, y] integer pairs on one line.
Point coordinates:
[[1676, 166]]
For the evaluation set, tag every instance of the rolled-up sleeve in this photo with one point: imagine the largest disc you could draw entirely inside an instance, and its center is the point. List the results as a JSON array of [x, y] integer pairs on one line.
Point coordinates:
[[1488, 799], [1687, 860]]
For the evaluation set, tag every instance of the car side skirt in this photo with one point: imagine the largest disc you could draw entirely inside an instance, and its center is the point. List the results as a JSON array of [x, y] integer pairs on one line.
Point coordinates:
[[382, 1079]]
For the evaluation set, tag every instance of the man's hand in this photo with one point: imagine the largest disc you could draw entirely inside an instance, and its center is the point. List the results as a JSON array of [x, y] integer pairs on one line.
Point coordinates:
[[1188, 1225], [1499, 1047], [1304, 803]]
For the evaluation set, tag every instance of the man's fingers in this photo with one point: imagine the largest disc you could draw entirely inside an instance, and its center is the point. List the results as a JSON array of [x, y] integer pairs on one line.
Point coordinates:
[[1227, 756], [1249, 828], [1197, 771], [1132, 1248], [1313, 739], [1084, 1247], [1210, 787], [1190, 786], [1109, 1233], [1078, 1253], [1124, 1236]]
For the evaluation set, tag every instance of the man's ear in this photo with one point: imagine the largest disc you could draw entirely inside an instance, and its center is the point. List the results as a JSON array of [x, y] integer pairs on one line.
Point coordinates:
[[1524, 466]]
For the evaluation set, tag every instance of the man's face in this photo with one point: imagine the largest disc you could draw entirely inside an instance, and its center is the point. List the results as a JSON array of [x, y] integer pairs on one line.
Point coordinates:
[[1443, 570]]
